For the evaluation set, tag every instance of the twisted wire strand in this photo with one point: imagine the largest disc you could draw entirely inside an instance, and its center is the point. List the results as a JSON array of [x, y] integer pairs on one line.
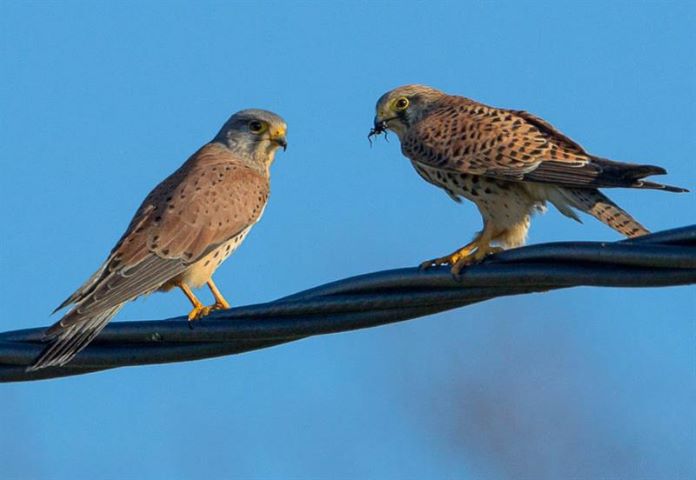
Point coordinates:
[[661, 259]]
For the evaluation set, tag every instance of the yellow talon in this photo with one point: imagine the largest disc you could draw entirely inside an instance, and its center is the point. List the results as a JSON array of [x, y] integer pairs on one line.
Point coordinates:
[[469, 254], [198, 312], [219, 306], [220, 302], [453, 258], [477, 257]]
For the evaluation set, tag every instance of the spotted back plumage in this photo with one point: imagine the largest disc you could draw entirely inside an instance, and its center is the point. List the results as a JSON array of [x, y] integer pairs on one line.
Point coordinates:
[[459, 134], [463, 135]]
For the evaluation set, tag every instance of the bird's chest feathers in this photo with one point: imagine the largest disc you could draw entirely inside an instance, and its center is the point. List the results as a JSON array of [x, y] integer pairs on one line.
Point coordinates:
[[201, 271], [471, 187]]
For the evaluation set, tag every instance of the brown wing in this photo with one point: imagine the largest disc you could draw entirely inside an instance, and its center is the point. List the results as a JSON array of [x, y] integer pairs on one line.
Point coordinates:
[[465, 136], [469, 137], [550, 131], [598, 172], [210, 199]]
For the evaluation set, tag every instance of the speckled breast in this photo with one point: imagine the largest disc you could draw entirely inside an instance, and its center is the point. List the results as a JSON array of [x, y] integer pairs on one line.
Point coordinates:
[[472, 187], [201, 271]]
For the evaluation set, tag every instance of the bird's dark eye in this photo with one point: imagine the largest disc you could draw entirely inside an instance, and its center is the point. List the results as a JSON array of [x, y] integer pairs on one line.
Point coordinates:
[[255, 126], [401, 104]]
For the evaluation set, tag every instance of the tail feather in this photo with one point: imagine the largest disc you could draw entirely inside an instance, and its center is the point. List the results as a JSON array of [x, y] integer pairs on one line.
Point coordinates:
[[68, 342], [595, 203]]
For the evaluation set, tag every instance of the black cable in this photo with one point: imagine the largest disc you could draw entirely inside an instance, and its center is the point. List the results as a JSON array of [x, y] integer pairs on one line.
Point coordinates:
[[662, 259]]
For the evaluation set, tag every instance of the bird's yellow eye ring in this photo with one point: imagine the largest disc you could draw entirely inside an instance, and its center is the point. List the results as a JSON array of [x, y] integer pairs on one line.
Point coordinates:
[[256, 126], [401, 104]]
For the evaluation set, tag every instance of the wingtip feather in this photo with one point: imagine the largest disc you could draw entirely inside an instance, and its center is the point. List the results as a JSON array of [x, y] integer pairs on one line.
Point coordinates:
[[660, 186]]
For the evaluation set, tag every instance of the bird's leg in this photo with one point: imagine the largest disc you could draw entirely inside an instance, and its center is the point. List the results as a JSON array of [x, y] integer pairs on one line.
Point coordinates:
[[471, 253], [199, 310], [220, 302]]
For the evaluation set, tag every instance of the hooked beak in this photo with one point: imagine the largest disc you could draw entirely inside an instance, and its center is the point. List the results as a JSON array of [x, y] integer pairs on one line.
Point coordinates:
[[278, 137]]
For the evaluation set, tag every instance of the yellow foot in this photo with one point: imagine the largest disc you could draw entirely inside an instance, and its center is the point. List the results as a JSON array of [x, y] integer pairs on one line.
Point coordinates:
[[468, 255], [477, 257], [198, 312], [453, 258], [219, 306], [436, 262]]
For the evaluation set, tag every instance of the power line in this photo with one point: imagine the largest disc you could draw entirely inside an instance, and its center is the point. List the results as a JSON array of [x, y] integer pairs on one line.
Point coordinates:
[[658, 260]]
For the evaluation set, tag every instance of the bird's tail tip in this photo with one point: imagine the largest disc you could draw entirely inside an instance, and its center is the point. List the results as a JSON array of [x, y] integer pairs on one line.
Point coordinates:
[[68, 341]]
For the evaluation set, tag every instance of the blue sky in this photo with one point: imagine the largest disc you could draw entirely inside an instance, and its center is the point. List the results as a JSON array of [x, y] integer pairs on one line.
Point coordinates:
[[100, 101]]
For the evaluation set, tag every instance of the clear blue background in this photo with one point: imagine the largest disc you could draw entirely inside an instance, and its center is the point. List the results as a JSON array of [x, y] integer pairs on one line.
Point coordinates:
[[100, 101]]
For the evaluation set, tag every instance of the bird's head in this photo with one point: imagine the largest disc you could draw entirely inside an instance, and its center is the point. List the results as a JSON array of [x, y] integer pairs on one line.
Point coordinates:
[[400, 108], [255, 134]]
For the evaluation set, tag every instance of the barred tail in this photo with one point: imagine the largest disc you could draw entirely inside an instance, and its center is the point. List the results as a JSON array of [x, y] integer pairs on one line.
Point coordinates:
[[66, 342], [598, 205]]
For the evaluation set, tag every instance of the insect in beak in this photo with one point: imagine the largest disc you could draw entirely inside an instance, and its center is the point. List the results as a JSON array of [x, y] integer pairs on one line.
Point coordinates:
[[380, 127]]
